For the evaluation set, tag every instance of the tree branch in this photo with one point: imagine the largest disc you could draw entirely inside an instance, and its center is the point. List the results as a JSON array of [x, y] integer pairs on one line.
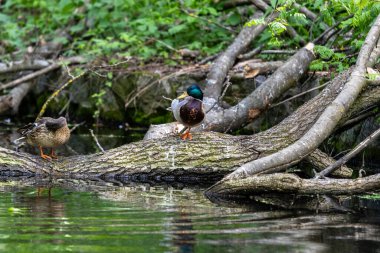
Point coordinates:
[[291, 183], [226, 60], [362, 145], [33, 75], [323, 126], [259, 100]]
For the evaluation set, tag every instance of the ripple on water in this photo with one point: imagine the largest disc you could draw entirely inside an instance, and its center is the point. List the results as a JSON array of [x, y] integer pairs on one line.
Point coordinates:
[[158, 219]]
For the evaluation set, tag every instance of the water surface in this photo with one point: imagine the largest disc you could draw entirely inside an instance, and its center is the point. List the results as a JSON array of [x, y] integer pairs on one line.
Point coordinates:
[[86, 216], [142, 218]]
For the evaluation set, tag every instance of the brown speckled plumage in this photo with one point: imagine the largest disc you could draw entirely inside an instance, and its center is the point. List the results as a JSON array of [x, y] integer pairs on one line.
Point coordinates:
[[46, 133]]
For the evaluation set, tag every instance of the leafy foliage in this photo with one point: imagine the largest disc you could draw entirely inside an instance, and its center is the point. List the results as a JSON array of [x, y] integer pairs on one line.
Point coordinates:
[[135, 27], [147, 29]]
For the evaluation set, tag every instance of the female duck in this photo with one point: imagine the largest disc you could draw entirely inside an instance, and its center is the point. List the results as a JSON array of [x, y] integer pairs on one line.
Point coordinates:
[[188, 109], [46, 133]]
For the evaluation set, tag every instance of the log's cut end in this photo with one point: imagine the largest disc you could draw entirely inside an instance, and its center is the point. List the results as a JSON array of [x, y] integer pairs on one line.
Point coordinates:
[[310, 46]]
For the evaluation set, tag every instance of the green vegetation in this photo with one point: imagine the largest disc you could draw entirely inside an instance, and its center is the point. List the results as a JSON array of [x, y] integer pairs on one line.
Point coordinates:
[[133, 28], [158, 31], [147, 28]]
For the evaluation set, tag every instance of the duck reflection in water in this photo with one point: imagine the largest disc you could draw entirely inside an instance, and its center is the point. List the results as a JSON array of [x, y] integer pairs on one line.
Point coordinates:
[[47, 212], [183, 234]]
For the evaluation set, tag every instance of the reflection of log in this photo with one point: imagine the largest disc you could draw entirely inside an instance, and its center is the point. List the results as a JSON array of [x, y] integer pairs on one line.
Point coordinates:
[[268, 201]]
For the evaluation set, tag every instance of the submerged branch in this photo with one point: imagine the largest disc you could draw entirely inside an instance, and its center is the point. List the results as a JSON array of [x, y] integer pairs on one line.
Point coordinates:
[[291, 183]]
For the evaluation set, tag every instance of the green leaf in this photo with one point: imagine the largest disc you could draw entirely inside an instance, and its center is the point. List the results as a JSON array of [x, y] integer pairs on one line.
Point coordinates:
[[177, 29], [324, 52], [257, 21], [233, 19]]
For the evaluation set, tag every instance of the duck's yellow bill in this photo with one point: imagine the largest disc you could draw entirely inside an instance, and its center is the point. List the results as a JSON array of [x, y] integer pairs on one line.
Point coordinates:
[[183, 95]]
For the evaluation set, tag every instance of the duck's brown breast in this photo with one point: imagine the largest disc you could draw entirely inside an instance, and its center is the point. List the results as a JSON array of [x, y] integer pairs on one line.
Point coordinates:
[[61, 136]]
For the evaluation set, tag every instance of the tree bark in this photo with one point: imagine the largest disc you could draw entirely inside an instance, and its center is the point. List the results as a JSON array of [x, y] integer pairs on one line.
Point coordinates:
[[226, 60], [291, 183], [325, 124], [209, 155], [10, 103]]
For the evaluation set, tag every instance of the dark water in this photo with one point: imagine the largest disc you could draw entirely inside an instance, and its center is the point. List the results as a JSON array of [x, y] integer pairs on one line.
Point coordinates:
[[78, 216], [162, 219]]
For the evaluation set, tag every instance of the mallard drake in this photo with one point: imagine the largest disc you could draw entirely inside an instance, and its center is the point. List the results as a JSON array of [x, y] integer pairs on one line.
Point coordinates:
[[46, 133], [188, 109]]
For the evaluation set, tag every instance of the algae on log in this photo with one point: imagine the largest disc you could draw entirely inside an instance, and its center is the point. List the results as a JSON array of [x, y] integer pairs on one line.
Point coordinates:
[[209, 154], [291, 183]]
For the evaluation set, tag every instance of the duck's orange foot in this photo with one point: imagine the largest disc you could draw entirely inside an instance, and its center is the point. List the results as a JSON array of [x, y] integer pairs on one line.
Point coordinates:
[[186, 135], [53, 155], [46, 157]]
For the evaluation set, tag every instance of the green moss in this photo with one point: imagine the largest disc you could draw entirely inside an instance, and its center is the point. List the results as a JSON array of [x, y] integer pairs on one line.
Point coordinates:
[[374, 196], [6, 160]]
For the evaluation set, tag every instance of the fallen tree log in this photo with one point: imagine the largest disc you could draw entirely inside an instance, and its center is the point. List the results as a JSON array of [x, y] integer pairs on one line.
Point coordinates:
[[11, 102], [53, 66], [291, 183], [208, 155]]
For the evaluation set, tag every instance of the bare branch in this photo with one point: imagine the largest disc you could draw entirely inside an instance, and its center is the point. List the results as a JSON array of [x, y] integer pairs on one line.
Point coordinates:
[[291, 183], [362, 145], [96, 140], [11, 102], [225, 61], [23, 65], [326, 122], [261, 98], [327, 34], [38, 73]]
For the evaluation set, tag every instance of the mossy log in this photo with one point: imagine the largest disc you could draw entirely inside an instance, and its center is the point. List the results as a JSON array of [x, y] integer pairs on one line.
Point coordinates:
[[291, 183], [208, 155]]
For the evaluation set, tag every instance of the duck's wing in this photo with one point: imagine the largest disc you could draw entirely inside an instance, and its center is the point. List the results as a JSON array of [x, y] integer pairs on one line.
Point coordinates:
[[32, 127], [176, 107], [54, 124], [27, 129]]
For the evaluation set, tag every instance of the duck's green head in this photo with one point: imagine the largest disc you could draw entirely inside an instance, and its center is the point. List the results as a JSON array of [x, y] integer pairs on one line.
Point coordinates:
[[195, 91]]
